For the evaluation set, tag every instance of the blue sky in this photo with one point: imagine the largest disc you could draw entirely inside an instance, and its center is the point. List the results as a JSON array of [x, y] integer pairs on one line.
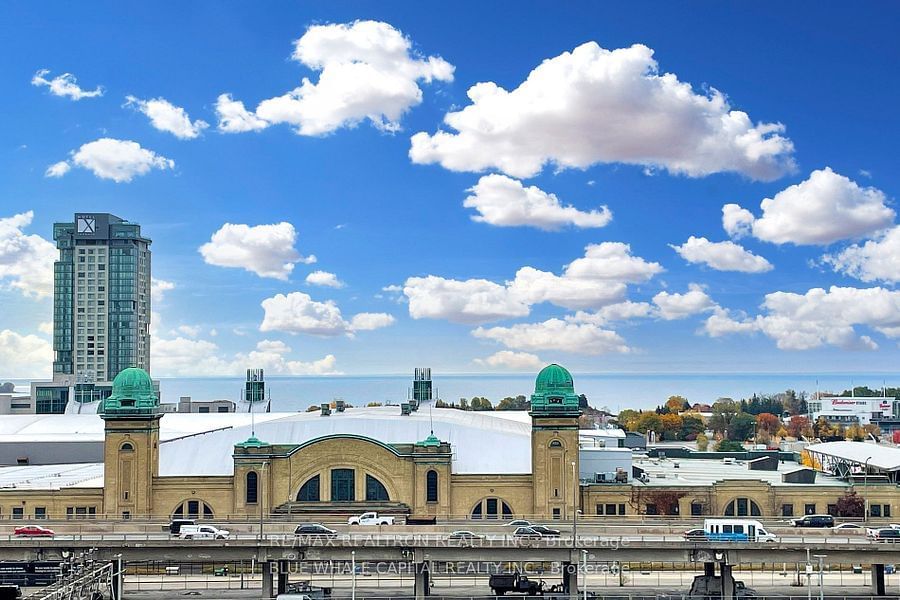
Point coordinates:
[[793, 103]]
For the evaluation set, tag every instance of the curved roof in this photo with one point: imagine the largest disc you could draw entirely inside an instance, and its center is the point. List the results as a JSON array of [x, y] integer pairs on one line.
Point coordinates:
[[884, 458], [555, 378], [495, 442], [134, 385]]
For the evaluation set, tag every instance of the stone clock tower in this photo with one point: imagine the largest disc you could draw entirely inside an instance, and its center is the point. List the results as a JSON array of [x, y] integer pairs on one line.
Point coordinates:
[[554, 443], [131, 445]]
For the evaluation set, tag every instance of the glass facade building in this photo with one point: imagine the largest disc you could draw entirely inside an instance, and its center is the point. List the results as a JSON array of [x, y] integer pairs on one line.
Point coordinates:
[[101, 300]]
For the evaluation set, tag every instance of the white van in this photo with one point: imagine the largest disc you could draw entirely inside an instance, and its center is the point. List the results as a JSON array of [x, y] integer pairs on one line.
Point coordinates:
[[736, 530], [203, 532]]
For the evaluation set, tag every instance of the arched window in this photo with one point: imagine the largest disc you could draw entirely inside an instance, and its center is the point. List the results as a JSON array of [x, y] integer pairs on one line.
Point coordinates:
[[742, 507], [126, 447], [492, 508], [431, 486], [252, 487], [343, 485], [309, 491], [556, 444], [191, 509], [375, 490]]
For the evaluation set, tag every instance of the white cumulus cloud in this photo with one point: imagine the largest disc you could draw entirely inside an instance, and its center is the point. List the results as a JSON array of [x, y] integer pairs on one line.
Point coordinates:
[[108, 158], [181, 356], [297, 312], [469, 301], [819, 318], [876, 260], [597, 279], [678, 306], [235, 118], [721, 256], [557, 335], [325, 279], [58, 169], [593, 105], [158, 289], [505, 202], [368, 70], [513, 361], [167, 117], [825, 208], [26, 260], [370, 321], [267, 250], [24, 355], [65, 85]]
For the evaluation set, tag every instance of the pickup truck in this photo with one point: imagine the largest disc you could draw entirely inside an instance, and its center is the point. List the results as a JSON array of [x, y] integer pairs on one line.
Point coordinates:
[[370, 518]]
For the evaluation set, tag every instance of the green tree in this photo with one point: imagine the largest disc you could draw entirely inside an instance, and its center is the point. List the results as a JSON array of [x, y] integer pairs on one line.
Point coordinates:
[[729, 446], [741, 427], [724, 410], [691, 426], [509, 403]]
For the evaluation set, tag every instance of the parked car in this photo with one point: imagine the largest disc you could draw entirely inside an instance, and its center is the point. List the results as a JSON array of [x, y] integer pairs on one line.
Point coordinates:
[[814, 521], [464, 536], [695, 535], [519, 523], [33, 531], [176, 524], [546, 531], [314, 529], [203, 532], [527, 532], [370, 518], [849, 526], [883, 534]]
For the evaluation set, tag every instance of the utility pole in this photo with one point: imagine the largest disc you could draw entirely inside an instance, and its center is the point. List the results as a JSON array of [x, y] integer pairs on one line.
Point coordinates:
[[866, 491]]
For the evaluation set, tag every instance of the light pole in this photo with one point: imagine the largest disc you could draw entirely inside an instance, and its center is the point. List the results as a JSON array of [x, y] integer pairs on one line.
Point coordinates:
[[353, 575], [866, 491], [574, 504], [584, 554], [821, 589], [261, 491]]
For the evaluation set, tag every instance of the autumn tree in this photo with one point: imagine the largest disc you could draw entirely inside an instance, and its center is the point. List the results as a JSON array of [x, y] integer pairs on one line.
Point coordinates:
[[767, 422], [798, 426], [676, 404], [702, 442], [850, 504]]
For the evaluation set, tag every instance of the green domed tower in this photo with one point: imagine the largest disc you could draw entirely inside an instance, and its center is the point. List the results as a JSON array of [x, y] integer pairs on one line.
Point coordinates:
[[132, 393], [554, 391], [131, 445], [554, 443]]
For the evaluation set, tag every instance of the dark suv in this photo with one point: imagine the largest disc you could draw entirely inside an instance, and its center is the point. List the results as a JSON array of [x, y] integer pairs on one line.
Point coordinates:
[[815, 521]]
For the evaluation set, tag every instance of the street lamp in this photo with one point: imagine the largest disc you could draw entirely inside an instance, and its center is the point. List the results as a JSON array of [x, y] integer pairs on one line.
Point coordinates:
[[866, 491], [261, 491], [584, 554], [574, 504], [821, 589], [353, 575]]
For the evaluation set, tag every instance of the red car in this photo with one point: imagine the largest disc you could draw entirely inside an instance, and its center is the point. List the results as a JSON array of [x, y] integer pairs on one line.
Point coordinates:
[[33, 531]]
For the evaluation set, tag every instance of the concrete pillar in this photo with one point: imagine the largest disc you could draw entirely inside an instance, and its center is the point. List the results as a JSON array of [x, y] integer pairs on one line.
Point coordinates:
[[709, 569], [727, 582], [423, 581], [878, 580], [268, 583], [570, 580], [282, 576]]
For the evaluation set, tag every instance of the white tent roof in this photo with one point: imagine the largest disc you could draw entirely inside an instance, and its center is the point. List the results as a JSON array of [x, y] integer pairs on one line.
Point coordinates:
[[89, 427], [482, 442], [880, 457], [52, 477]]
